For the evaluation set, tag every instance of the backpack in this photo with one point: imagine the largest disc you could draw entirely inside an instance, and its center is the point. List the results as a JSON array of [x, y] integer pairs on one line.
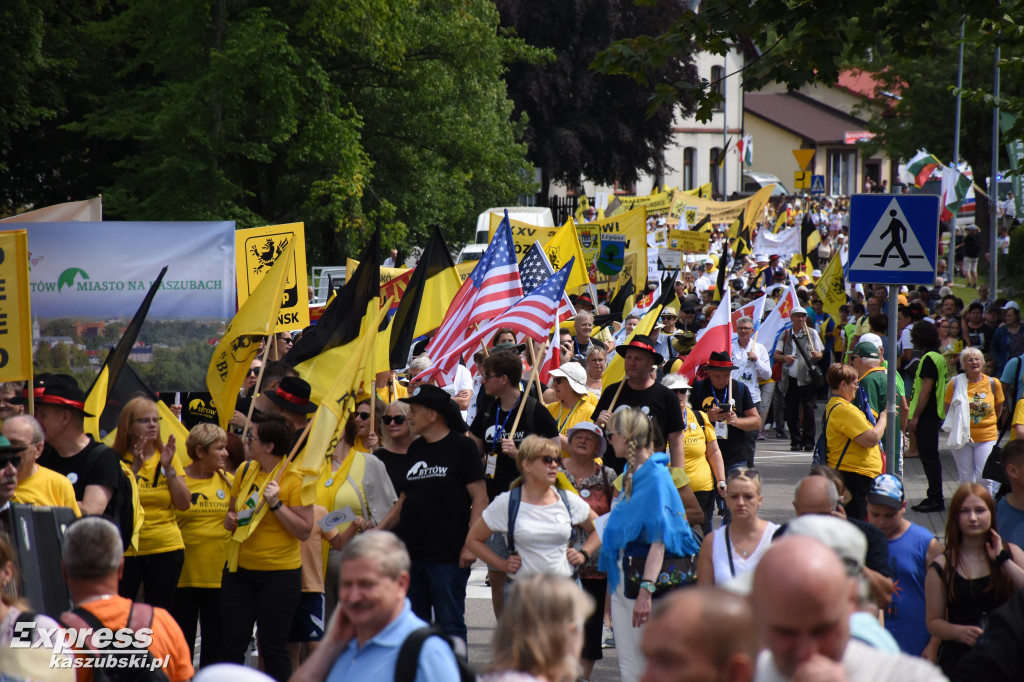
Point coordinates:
[[409, 655], [128, 513], [106, 668], [821, 447], [515, 496]]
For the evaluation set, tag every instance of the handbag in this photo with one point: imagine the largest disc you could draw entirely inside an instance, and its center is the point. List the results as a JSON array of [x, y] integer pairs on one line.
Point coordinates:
[[676, 571]]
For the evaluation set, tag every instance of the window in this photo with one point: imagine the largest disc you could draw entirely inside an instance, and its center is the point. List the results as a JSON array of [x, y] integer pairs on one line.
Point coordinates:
[[624, 188], [689, 156], [714, 171], [842, 176], [718, 84]]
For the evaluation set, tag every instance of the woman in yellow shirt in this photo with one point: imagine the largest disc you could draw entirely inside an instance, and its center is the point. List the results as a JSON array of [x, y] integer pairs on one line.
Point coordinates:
[[156, 565], [985, 405], [573, 402], [265, 586], [852, 442], [206, 540]]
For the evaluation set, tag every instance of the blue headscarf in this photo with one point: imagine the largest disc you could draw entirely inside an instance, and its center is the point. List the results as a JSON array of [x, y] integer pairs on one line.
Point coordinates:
[[653, 513]]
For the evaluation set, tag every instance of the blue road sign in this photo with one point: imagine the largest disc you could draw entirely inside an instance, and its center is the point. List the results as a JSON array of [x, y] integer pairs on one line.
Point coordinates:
[[817, 184], [894, 238]]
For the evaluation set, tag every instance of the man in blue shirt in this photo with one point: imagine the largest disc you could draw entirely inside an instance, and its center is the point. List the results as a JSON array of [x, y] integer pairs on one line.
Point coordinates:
[[374, 618]]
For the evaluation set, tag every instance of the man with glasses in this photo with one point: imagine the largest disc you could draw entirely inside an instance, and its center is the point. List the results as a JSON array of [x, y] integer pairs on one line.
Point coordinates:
[[8, 392], [36, 485], [752, 368], [10, 459]]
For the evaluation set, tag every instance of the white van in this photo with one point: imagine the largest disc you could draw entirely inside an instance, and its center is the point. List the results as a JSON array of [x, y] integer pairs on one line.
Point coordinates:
[[753, 181], [534, 215]]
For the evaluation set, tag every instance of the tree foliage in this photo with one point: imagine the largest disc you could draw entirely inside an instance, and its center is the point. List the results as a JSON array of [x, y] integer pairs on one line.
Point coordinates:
[[581, 123]]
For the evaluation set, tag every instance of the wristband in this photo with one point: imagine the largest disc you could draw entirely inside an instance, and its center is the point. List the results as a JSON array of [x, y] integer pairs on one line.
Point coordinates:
[[585, 553], [277, 506], [170, 473], [1002, 557], [649, 585]]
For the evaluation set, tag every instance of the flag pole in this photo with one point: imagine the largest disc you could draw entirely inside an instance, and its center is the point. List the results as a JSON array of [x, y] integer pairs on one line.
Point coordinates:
[[615, 398], [287, 460], [533, 363], [522, 402]]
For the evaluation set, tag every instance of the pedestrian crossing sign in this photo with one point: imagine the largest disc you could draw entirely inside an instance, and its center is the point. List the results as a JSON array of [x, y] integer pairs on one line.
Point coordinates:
[[893, 238], [817, 184]]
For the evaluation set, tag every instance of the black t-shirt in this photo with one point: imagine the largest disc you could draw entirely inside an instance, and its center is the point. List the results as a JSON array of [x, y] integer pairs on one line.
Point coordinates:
[[877, 558], [703, 396], [972, 245], [657, 401], [85, 469], [981, 337], [930, 371], [395, 463], [436, 512], [536, 421]]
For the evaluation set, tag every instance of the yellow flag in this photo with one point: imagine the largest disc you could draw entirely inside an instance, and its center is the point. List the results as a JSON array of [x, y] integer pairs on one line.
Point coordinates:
[[254, 320], [780, 222], [831, 288], [15, 314], [616, 370], [565, 244]]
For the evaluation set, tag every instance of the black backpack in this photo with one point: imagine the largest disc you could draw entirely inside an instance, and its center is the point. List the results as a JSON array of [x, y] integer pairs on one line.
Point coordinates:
[[409, 655], [106, 667], [125, 498]]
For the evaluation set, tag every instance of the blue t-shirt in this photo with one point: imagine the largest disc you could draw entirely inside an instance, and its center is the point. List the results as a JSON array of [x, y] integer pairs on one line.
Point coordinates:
[[1010, 521], [1009, 372], [905, 615], [377, 658]]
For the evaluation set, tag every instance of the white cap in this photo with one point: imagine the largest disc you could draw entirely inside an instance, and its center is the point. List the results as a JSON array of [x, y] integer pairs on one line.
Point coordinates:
[[574, 373], [873, 339], [675, 382]]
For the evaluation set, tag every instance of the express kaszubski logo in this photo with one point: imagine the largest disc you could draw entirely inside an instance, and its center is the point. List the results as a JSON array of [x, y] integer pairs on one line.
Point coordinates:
[[90, 648]]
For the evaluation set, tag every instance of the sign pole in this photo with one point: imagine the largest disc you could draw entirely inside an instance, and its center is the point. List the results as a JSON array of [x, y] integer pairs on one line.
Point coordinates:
[[892, 426]]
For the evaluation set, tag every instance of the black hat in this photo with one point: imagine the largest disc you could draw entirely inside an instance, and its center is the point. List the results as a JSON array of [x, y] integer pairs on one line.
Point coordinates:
[[292, 393], [437, 399], [640, 342], [57, 389], [719, 360], [584, 299]]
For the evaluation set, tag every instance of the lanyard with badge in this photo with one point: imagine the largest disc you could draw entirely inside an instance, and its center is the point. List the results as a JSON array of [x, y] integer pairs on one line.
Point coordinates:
[[491, 465], [721, 427]]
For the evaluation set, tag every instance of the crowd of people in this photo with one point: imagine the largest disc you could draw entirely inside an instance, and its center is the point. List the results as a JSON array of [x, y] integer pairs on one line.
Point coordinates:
[[591, 502]]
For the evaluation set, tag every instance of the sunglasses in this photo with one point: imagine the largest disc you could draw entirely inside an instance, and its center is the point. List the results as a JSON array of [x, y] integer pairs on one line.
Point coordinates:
[[253, 371], [10, 461], [682, 391], [547, 459], [741, 473], [387, 419], [362, 415]]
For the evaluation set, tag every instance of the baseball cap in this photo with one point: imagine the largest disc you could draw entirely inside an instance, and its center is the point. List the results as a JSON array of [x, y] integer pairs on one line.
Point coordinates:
[[874, 339], [888, 490], [866, 350], [1012, 304]]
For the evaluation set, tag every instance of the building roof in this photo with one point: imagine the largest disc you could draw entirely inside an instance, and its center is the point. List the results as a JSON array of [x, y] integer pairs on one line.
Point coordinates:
[[815, 122]]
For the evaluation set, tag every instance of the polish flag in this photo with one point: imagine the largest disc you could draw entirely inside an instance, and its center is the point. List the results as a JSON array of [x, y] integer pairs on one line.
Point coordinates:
[[717, 337]]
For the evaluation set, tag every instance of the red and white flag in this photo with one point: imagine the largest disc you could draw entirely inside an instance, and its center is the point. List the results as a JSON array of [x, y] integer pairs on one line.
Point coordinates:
[[717, 337], [551, 358]]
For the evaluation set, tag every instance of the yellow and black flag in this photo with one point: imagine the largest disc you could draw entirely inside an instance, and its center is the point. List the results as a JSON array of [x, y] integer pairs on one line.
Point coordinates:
[[810, 237]]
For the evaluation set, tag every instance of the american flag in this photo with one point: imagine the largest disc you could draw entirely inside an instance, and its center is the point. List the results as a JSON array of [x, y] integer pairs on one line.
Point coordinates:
[[534, 268], [531, 315], [490, 289]]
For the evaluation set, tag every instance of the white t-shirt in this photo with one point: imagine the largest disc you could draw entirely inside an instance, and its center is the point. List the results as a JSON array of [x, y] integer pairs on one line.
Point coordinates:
[[542, 532], [463, 382]]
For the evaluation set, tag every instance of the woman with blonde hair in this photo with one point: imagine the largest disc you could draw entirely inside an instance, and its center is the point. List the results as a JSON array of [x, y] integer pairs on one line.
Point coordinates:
[[396, 437], [206, 540], [156, 564], [542, 517], [984, 395], [736, 547], [540, 633], [597, 363], [647, 546]]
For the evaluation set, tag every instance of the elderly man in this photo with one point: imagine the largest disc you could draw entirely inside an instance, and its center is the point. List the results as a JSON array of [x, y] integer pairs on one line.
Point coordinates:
[[373, 619], [8, 392], [701, 634], [37, 485], [751, 360], [799, 349], [10, 459], [729, 406], [584, 325], [92, 564], [802, 600]]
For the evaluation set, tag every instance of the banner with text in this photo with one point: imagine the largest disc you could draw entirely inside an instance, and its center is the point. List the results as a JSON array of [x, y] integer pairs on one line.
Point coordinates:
[[256, 250], [15, 312]]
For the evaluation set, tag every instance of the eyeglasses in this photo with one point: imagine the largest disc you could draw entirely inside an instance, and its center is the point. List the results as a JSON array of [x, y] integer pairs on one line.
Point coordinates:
[[147, 420], [387, 419], [547, 459], [744, 329], [741, 473], [10, 461], [362, 415]]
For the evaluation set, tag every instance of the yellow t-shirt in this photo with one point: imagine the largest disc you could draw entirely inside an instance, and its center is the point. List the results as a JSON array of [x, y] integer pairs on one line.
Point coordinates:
[[160, 530], [982, 407], [47, 488], [1018, 418], [334, 492], [202, 529], [846, 421], [568, 418], [390, 393], [695, 445], [270, 547]]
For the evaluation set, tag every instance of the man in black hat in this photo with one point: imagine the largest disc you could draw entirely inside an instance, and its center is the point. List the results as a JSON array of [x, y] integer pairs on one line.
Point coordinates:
[[642, 391], [290, 399], [442, 493], [730, 407], [93, 468]]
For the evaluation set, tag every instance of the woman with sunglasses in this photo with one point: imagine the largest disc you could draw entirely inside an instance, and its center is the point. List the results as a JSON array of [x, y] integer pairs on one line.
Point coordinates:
[[155, 561], [573, 402], [703, 464], [852, 441], [541, 538], [354, 479], [736, 548], [647, 545], [396, 436]]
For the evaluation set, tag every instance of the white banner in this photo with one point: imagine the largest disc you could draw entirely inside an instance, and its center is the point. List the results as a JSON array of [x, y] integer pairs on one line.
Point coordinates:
[[785, 243]]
